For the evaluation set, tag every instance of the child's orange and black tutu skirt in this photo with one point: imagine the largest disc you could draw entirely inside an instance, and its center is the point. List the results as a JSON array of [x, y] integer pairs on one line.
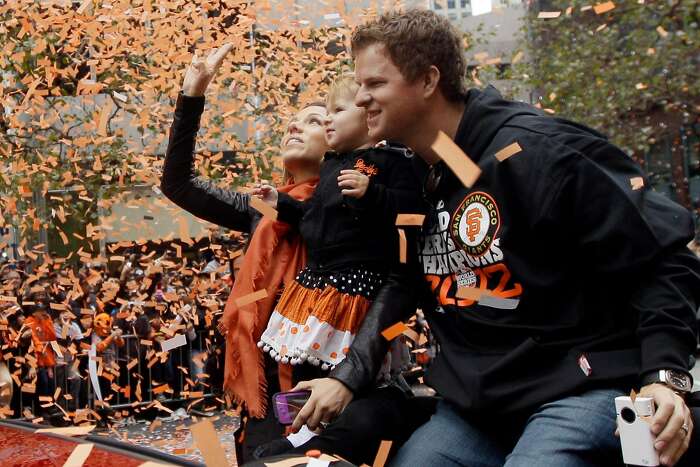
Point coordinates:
[[318, 316]]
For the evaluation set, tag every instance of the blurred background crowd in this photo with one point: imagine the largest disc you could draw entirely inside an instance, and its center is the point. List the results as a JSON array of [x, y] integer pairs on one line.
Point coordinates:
[[124, 310]]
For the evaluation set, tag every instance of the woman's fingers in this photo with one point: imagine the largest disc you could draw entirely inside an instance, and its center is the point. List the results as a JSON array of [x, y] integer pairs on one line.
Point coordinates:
[[201, 71], [314, 421], [217, 56], [303, 386], [304, 414]]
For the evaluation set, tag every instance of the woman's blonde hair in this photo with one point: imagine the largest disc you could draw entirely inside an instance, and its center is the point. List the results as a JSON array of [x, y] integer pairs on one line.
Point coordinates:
[[343, 85]]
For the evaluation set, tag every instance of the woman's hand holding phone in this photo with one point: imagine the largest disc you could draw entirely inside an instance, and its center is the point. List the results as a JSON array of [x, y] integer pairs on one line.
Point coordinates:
[[328, 399]]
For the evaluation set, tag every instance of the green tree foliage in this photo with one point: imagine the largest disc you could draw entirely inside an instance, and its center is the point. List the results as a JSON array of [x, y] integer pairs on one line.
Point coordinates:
[[87, 91], [630, 72]]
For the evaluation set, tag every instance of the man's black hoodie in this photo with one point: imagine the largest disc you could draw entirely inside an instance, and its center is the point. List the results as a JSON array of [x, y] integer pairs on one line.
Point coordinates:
[[584, 276]]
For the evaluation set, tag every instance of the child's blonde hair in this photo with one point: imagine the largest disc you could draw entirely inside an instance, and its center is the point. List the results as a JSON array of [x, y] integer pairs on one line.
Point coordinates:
[[343, 85]]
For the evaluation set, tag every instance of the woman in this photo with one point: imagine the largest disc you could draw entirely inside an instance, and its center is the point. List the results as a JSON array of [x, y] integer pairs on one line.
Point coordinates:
[[272, 244]]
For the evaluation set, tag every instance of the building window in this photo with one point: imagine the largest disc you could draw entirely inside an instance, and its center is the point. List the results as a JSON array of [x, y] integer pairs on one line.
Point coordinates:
[[451, 4], [464, 3]]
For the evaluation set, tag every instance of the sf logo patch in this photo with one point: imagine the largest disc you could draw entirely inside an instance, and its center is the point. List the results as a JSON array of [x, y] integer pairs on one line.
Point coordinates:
[[475, 223]]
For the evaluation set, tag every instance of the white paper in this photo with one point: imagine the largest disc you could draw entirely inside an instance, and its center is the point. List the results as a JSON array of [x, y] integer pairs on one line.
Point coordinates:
[[480, 7], [313, 462], [92, 369], [178, 341], [301, 436]]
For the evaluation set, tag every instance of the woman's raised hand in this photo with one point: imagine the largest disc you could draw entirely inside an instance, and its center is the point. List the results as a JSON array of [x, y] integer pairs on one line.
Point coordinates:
[[202, 70]]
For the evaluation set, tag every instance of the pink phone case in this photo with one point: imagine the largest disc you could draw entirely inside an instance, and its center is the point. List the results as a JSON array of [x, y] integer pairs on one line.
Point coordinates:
[[287, 405]]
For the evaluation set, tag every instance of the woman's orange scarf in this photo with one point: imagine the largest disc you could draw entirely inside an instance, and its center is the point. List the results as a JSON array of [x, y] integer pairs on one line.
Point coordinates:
[[274, 257]]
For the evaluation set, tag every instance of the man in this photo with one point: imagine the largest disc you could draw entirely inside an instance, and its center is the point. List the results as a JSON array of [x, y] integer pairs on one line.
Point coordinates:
[[558, 281]]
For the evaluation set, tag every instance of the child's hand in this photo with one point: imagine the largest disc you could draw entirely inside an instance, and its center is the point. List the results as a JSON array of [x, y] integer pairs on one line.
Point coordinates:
[[266, 192], [353, 183]]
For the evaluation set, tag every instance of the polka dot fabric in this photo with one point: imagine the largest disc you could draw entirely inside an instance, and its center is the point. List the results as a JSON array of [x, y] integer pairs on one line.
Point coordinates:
[[353, 281], [318, 315]]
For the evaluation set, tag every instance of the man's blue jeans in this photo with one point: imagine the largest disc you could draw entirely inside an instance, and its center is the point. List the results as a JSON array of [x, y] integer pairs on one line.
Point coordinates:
[[574, 431]]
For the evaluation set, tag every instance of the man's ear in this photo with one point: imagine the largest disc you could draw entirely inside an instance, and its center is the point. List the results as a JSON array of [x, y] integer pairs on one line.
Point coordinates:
[[431, 79]]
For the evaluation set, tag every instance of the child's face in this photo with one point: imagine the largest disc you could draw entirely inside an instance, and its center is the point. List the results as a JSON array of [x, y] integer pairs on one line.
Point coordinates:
[[346, 124]]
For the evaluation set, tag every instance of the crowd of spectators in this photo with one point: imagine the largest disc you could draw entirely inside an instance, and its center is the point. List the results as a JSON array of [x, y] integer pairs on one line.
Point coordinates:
[[121, 309]]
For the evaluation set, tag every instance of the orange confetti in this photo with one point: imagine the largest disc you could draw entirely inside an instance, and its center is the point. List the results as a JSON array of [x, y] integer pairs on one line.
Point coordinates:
[[382, 454], [403, 246], [251, 298], [549, 14], [508, 151], [262, 207], [410, 219], [80, 454], [393, 331], [601, 8], [637, 183], [460, 163], [207, 440]]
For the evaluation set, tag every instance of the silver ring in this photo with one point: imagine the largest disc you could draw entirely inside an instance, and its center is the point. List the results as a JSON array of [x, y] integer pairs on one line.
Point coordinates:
[[325, 424], [685, 428]]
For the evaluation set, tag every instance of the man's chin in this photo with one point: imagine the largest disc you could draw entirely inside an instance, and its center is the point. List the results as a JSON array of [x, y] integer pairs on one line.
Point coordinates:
[[376, 132]]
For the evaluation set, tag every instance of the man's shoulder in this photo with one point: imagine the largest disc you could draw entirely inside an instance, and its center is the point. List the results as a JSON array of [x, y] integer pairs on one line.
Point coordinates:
[[544, 142]]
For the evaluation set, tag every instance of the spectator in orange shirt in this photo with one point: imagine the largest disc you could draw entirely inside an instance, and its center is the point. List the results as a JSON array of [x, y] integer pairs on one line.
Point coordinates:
[[39, 326]]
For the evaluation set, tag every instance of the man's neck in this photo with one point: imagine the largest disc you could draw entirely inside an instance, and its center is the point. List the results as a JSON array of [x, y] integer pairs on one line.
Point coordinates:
[[365, 145], [445, 116]]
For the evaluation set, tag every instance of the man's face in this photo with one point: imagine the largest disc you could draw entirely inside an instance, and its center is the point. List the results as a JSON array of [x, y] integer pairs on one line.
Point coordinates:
[[394, 106]]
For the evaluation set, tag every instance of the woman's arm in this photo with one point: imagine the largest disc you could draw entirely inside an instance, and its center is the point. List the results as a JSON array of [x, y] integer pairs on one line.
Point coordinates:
[[179, 182]]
